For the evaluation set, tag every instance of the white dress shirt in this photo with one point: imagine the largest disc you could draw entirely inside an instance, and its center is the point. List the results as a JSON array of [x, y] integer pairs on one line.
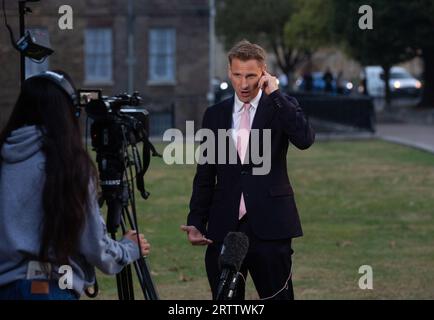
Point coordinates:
[[238, 110]]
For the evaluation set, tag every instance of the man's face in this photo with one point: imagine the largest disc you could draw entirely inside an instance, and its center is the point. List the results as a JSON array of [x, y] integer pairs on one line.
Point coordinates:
[[245, 77]]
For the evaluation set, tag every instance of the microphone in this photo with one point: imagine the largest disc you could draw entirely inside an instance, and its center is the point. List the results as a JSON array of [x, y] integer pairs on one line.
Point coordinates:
[[234, 250]]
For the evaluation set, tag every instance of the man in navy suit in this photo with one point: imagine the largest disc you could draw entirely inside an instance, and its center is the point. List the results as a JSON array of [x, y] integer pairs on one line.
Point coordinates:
[[230, 197]]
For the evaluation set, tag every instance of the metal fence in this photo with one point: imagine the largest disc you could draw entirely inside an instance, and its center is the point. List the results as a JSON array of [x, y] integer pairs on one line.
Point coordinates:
[[354, 111]]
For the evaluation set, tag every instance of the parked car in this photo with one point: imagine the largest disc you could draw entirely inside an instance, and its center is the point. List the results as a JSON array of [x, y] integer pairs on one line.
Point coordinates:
[[318, 84], [401, 82]]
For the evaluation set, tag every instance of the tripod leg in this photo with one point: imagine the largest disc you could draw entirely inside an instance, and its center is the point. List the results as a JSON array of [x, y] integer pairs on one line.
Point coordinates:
[[141, 281], [129, 282], [124, 281], [142, 270], [141, 267], [147, 280], [119, 286], [125, 290]]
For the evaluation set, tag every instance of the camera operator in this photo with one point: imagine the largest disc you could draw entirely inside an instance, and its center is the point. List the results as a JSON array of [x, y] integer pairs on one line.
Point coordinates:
[[49, 213]]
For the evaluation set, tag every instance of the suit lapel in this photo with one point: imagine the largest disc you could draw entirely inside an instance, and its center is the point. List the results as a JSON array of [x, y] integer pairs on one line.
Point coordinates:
[[264, 113], [225, 123], [226, 119]]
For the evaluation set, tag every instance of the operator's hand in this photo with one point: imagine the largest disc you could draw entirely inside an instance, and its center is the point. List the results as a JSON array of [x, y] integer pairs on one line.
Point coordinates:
[[268, 83], [195, 237], [145, 246]]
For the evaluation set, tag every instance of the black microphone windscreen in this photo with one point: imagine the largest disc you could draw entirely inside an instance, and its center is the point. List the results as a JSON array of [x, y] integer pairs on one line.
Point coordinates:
[[234, 250]]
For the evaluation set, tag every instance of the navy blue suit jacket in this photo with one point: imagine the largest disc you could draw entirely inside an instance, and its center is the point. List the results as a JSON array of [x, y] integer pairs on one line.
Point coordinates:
[[269, 199]]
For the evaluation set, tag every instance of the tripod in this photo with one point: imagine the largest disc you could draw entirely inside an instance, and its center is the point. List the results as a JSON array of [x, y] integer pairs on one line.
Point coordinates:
[[119, 195], [124, 279]]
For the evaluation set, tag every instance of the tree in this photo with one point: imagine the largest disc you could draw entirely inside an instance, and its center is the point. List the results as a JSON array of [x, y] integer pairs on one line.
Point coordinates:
[[261, 21], [421, 38], [385, 45], [308, 29]]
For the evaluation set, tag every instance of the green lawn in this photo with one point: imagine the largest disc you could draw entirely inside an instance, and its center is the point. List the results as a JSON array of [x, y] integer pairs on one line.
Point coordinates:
[[361, 203]]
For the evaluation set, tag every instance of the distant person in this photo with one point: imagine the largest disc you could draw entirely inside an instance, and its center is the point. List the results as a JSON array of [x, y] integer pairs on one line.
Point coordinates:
[[328, 81], [308, 81], [340, 83], [307, 77], [364, 85]]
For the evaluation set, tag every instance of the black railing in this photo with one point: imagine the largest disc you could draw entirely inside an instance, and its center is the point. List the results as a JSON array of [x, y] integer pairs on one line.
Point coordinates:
[[353, 111]]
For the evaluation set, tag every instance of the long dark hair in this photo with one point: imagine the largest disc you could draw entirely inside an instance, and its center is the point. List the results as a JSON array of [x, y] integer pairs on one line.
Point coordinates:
[[69, 169]]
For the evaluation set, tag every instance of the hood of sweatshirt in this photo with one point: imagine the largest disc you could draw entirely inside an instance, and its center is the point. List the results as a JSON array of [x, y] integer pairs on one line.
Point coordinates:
[[22, 144]]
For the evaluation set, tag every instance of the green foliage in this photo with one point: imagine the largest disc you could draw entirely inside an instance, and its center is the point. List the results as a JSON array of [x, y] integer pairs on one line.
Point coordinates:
[[293, 29], [255, 20], [387, 44], [420, 29], [308, 29], [260, 21]]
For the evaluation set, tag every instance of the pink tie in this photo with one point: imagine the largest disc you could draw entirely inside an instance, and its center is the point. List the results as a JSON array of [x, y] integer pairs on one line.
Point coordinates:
[[242, 143]]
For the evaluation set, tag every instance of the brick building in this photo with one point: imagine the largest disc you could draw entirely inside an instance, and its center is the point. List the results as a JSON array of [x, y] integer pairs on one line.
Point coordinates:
[[171, 53]]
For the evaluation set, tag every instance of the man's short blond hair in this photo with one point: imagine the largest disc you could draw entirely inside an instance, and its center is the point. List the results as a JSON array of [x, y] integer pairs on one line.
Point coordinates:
[[245, 50]]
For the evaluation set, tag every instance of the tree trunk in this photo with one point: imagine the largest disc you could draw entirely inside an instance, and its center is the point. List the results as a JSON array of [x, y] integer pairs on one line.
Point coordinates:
[[428, 78], [291, 80], [387, 92]]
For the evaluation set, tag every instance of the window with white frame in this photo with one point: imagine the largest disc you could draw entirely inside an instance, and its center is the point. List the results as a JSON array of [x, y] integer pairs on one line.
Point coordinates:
[[162, 55], [98, 47], [34, 67]]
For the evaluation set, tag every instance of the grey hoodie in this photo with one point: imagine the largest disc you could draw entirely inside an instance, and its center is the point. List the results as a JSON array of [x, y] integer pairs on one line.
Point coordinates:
[[22, 179]]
